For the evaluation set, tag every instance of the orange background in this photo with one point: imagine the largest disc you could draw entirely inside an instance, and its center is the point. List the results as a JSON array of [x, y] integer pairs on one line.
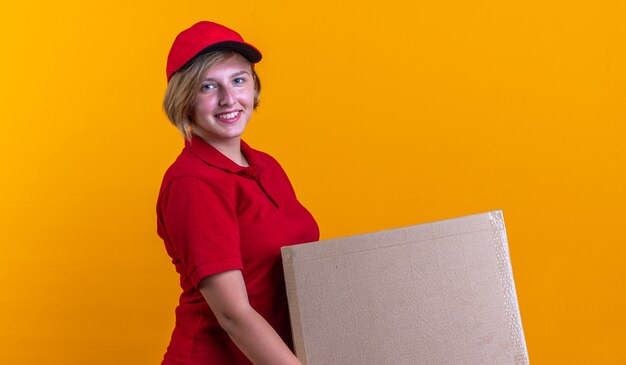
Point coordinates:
[[384, 113]]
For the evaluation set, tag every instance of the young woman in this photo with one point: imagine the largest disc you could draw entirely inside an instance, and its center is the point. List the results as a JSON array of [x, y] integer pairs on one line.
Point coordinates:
[[225, 209]]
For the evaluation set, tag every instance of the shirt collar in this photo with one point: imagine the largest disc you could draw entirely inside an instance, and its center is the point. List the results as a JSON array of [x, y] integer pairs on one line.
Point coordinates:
[[213, 157]]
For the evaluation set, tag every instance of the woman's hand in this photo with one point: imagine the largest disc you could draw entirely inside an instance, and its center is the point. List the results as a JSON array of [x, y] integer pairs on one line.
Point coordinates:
[[226, 295]]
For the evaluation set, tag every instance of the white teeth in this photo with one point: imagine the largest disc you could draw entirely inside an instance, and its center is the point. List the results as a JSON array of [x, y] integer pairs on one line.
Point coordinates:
[[228, 116]]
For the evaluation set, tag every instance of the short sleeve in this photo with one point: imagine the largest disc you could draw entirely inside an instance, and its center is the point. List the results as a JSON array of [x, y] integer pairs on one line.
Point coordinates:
[[200, 223]]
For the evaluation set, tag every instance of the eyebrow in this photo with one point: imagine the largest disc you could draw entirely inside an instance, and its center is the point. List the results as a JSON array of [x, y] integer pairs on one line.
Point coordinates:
[[243, 72]]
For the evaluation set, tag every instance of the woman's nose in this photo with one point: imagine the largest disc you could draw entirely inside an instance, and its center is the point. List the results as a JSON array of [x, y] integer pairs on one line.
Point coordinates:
[[227, 97]]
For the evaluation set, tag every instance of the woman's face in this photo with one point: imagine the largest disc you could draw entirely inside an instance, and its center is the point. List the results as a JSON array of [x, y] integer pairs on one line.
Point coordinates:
[[225, 101]]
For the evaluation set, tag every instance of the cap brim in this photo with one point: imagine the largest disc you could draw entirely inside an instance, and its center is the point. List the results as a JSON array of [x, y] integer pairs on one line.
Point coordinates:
[[247, 50]]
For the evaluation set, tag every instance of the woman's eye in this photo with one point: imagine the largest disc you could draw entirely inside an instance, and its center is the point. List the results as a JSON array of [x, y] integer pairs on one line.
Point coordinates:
[[207, 87], [239, 80]]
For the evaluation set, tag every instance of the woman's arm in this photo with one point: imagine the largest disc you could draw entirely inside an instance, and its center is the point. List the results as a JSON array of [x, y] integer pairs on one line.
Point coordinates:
[[226, 295]]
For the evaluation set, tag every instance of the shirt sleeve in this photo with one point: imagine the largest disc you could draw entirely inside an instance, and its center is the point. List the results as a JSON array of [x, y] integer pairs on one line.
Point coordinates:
[[201, 225]]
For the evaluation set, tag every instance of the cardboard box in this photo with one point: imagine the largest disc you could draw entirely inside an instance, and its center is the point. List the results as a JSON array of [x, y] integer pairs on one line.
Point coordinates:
[[435, 293]]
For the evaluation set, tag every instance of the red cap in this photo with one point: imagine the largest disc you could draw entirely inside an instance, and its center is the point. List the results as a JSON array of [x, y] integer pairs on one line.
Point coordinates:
[[205, 37]]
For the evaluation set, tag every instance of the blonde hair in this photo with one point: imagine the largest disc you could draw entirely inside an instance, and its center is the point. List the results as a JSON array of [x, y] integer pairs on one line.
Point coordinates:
[[180, 95]]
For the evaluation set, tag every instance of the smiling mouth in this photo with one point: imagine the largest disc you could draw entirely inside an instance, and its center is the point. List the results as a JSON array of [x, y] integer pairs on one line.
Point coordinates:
[[228, 116]]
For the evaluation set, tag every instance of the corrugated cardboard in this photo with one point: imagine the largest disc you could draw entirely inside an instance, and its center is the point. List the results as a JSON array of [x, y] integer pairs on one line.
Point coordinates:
[[435, 293]]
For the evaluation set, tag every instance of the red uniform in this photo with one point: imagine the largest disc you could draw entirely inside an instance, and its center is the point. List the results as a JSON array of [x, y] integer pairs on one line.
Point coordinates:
[[215, 216]]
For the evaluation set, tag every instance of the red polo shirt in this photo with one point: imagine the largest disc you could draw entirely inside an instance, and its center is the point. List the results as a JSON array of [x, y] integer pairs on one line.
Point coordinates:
[[214, 216]]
